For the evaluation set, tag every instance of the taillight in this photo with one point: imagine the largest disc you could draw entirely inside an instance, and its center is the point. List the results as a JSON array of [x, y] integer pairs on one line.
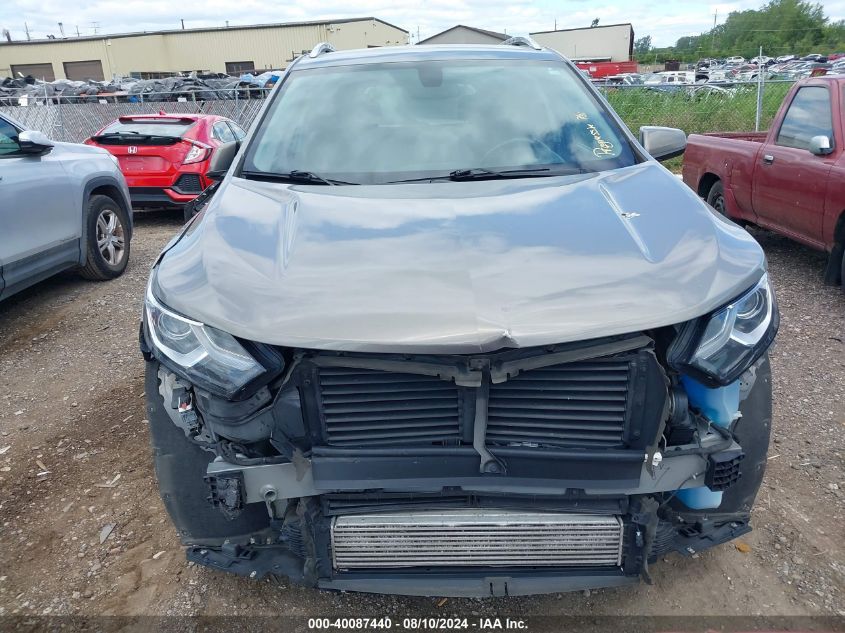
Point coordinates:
[[197, 153]]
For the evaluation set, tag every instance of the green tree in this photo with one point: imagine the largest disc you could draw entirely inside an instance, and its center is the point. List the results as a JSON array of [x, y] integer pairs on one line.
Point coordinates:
[[642, 46], [779, 26]]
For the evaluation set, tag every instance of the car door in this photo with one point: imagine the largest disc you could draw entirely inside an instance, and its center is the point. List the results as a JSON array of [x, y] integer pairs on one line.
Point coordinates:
[[790, 183], [41, 224]]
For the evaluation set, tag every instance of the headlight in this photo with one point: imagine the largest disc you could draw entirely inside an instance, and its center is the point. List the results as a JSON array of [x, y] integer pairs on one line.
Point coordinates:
[[205, 355], [722, 346]]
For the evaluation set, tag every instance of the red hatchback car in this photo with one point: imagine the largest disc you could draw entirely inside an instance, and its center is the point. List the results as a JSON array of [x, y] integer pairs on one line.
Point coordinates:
[[165, 157]]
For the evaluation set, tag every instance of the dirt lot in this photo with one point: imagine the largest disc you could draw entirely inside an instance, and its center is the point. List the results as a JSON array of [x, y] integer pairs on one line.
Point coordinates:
[[82, 529]]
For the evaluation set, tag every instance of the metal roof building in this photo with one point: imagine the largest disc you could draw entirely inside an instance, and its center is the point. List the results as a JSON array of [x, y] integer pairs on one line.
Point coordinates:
[[609, 43], [232, 49], [461, 34]]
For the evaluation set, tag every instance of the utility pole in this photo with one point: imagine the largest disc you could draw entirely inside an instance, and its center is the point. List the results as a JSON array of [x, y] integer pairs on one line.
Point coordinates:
[[713, 37], [183, 24], [760, 85], [26, 28], [77, 31]]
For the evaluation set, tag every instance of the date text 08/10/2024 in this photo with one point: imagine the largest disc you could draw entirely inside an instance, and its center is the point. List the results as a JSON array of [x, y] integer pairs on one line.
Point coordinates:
[[419, 624]]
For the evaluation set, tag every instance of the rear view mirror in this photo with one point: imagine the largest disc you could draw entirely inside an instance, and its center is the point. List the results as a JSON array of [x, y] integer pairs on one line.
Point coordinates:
[[222, 159], [663, 143], [34, 142], [820, 146]]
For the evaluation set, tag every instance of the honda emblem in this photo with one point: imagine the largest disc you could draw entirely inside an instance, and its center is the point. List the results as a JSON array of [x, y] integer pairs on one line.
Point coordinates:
[[132, 149]]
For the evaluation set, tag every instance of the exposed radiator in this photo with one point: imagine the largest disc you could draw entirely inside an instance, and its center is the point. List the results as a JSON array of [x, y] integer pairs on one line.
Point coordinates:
[[470, 538]]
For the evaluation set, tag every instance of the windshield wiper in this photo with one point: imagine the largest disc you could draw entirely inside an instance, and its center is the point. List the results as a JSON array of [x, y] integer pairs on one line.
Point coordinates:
[[480, 173], [117, 134], [294, 176]]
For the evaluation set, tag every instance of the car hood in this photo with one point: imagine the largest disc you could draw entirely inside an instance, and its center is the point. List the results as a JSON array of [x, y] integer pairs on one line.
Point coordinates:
[[456, 267]]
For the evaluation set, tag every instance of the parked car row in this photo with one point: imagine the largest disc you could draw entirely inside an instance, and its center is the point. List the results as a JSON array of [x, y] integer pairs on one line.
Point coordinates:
[[787, 67], [765, 60]]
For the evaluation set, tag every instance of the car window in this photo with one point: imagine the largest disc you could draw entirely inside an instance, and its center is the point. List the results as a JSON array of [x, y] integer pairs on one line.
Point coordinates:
[[221, 132], [377, 123], [8, 138], [809, 115], [238, 131], [153, 127]]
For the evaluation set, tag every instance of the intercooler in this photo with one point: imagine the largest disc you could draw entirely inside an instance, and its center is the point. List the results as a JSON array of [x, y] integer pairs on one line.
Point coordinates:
[[472, 538]]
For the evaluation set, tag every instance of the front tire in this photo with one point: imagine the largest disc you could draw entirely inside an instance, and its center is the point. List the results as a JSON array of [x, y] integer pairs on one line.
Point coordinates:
[[716, 198], [107, 239]]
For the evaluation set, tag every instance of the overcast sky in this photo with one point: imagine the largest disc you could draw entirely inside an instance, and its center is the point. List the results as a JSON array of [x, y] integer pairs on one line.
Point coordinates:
[[664, 21]]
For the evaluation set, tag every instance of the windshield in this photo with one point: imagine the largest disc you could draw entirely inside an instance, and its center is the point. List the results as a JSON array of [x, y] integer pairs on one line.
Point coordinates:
[[378, 123]]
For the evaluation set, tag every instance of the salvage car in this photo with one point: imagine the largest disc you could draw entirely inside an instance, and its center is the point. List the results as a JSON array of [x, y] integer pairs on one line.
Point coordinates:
[[447, 328], [791, 179], [166, 157], [62, 206]]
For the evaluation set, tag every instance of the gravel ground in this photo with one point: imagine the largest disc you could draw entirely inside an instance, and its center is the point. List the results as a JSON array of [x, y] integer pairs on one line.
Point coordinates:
[[82, 529]]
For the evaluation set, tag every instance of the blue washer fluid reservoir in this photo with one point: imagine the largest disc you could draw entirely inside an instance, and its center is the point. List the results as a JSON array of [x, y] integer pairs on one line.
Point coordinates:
[[720, 405]]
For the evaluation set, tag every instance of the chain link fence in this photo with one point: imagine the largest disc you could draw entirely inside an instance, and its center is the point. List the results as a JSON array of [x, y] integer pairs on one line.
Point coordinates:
[[694, 109], [699, 108], [74, 119]]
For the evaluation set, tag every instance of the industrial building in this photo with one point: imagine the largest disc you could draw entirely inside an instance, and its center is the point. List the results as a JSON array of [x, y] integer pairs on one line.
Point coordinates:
[[231, 50], [611, 43], [461, 34]]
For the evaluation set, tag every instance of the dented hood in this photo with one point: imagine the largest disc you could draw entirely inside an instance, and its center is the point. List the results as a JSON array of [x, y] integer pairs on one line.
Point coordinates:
[[456, 267]]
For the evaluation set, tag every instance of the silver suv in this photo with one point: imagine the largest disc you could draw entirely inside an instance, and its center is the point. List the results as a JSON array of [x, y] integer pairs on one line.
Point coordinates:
[[62, 206], [447, 328]]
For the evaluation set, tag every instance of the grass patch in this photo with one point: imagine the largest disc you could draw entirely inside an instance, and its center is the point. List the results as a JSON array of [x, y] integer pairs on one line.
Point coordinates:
[[699, 112]]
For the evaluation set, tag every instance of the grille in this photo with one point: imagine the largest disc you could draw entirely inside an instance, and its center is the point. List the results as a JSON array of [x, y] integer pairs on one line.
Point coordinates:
[[363, 407], [468, 538], [188, 183], [581, 404]]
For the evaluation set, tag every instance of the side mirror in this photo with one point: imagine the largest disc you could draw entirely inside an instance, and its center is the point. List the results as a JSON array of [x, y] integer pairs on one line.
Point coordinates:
[[222, 160], [663, 143], [820, 146], [34, 142]]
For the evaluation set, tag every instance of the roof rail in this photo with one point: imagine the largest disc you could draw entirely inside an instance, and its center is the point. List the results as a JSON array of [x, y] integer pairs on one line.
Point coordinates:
[[519, 40], [319, 49]]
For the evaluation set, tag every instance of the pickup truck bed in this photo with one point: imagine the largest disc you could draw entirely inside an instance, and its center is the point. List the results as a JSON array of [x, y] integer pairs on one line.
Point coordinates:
[[790, 180]]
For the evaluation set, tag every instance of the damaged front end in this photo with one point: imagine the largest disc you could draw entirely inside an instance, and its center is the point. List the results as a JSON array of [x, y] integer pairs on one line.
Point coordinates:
[[523, 471]]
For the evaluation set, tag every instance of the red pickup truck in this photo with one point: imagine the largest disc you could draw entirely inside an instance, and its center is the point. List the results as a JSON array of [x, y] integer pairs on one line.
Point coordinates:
[[790, 180]]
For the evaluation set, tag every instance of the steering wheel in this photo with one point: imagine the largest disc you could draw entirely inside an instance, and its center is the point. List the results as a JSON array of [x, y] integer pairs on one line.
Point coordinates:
[[531, 143]]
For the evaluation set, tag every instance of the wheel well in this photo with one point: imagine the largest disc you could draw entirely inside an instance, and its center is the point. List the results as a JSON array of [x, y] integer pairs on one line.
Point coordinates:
[[706, 182]]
